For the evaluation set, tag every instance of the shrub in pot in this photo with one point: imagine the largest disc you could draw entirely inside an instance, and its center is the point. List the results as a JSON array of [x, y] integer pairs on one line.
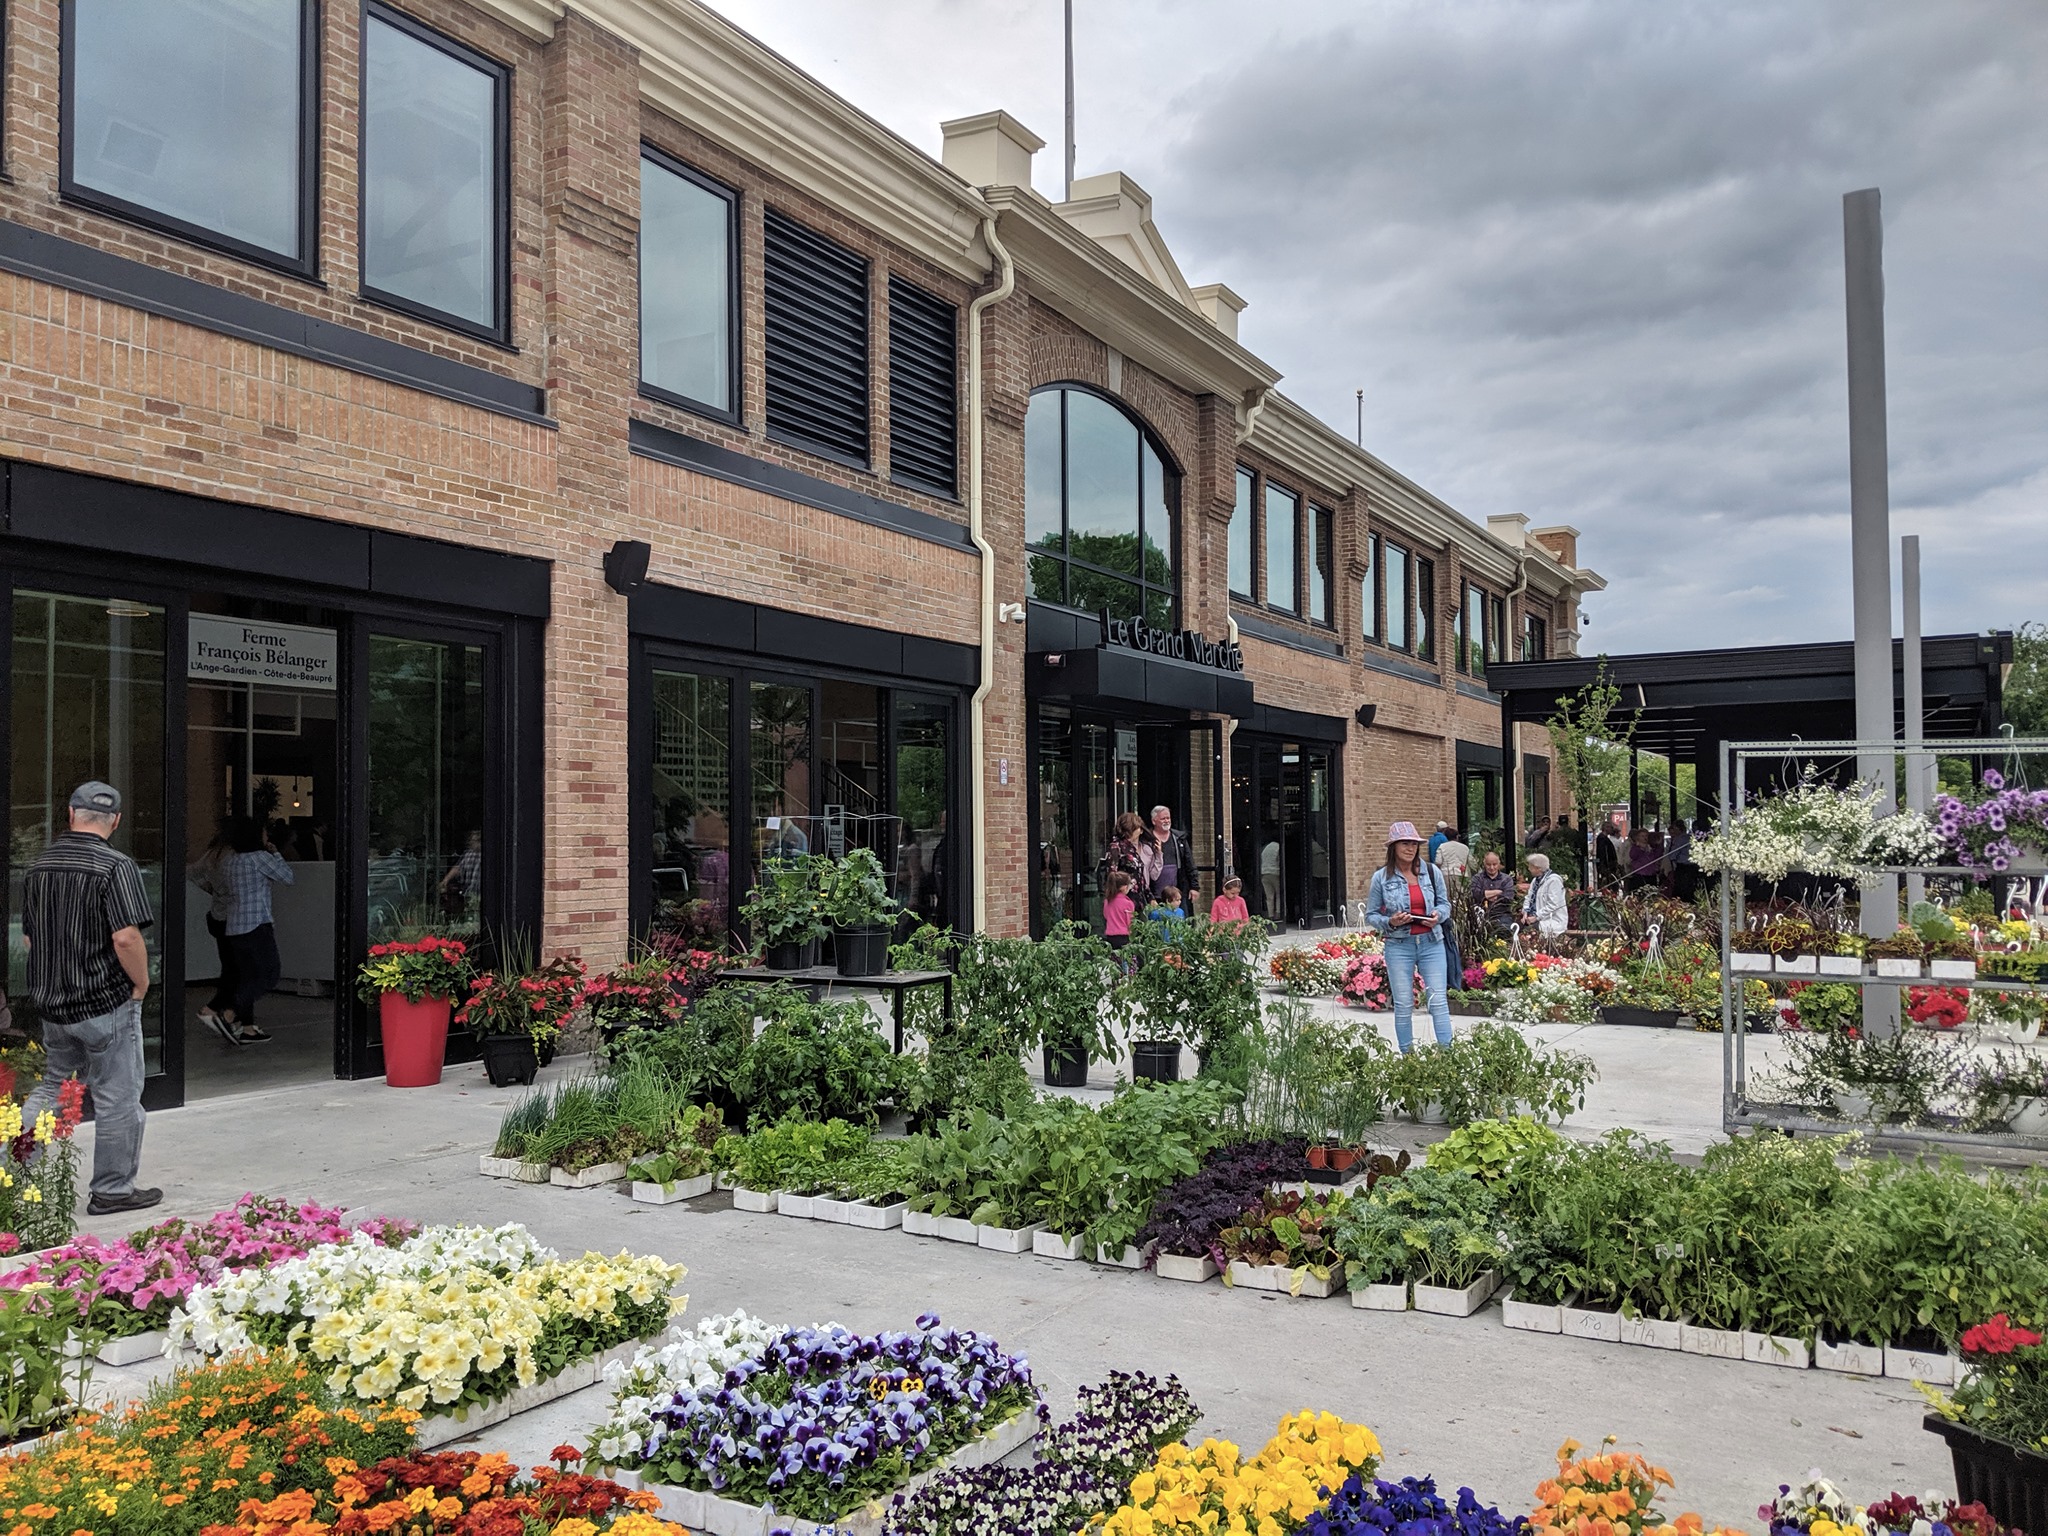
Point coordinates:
[[785, 912], [414, 985], [853, 894]]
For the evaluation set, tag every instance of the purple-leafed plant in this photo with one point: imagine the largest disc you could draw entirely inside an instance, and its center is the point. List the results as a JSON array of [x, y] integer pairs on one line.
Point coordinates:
[[1189, 1215]]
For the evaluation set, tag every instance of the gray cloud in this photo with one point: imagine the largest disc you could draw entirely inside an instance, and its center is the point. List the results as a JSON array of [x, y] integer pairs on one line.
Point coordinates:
[[1584, 257]]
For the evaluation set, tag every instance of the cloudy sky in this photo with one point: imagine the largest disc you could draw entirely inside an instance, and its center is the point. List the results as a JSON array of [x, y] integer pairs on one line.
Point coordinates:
[[1583, 256]]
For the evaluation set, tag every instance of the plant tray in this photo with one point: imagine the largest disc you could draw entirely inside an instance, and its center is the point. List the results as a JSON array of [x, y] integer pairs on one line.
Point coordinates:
[[1050, 1245], [920, 1223], [673, 1192], [1935, 1368], [1531, 1316], [1174, 1266], [1796, 965], [1592, 1323], [799, 1206], [1841, 965], [1644, 1018], [442, 1428], [2008, 1480], [1897, 967], [1747, 963], [132, 1349], [1280, 1279], [711, 1515], [1952, 970], [1849, 1357], [1130, 1258], [1008, 1239], [832, 1208], [1721, 1343], [1775, 1349], [870, 1217], [512, 1168], [1381, 1298], [1456, 1301], [744, 1199], [589, 1178], [1653, 1332], [957, 1229]]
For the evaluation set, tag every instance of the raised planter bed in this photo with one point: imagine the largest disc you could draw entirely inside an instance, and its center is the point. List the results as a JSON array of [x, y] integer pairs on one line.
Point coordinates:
[[1592, 1323], [441, 1428], [512, 1168], [1653, 1332], [589, 1178], [1008, 1239], [1720, 1343], [798, 1206], [672, 1192], [744, 1199], [871, 1217], [956, 1229], [1531, 1316], [920, 1223], [1177, 1266], [1775, 1349], [1381, 1298], [1455, 1301], [1130, 1258], [1280, 1279], [1849, 1357], [2009, 1480], [1936, 1368], [711, 1515], [1050, 1245]]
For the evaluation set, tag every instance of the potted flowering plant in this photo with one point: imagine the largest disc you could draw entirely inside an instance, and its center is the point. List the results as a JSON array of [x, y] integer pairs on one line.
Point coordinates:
[[518, 1015], [1996, 1420], [1749, 950], [646, 993], [854, 894], [414, 983], [1900, 955], [2009, 1089], [2003, 825]]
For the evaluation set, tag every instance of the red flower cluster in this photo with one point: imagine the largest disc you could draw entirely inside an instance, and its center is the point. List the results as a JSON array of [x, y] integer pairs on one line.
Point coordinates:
[[1997, 1336], [455, 949], [1944, 1008]]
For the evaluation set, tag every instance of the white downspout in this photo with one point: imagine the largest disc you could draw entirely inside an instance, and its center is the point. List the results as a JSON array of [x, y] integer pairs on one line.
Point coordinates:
[[1252, 409], [976, 726]]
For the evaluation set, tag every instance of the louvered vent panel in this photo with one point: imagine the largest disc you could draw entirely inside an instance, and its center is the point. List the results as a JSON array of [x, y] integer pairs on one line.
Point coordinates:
[[817, 303], [923, 382]]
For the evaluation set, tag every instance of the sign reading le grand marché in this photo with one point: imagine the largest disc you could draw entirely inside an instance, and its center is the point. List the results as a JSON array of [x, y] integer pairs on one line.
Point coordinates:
[[1180, 644]]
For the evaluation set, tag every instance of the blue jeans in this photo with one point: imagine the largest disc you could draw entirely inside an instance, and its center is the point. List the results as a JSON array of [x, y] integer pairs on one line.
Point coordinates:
[[1405, 956], [104, 1053]]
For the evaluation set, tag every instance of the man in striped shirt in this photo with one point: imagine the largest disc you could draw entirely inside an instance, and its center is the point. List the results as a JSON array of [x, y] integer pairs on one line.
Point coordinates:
[[83, 910]]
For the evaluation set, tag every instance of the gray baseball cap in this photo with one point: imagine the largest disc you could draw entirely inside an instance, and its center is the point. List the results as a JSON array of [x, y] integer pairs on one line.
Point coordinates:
[[92, 795]]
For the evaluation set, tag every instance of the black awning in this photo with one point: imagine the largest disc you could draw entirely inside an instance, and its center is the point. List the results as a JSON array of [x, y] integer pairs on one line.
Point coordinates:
[[1295, 724], [1136, 682]]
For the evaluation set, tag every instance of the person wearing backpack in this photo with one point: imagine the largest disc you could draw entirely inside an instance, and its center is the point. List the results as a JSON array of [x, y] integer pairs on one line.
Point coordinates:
[[1410, 903]]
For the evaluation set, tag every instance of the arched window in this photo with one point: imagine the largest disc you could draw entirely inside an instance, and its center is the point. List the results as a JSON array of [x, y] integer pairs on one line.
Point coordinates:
[[1100, 502]]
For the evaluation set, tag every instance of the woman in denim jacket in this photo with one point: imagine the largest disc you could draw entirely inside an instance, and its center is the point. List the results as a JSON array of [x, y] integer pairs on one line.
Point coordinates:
[[1410, 903]]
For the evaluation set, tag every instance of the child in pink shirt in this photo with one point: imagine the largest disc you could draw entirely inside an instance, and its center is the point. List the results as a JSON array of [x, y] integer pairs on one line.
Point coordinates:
[[1229, 907], [1118, 910]]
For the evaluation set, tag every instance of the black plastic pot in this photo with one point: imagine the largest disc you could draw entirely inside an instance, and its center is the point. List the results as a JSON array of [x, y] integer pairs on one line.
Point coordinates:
[[861, 951], [2010, 1482], [1651, 1018], [791, 957], [510, 1059], [1156, 1061], [1065, 1067]]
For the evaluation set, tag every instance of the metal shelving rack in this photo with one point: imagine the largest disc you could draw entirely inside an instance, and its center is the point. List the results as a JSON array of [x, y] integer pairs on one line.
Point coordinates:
[[1736, 1109]]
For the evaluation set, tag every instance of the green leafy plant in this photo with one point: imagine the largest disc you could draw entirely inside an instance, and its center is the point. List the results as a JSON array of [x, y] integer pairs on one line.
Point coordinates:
[[39, 1386], [817, 1060], [786, 906], [853, 892], [522, 1120], [801, 1156], [1430, 1226], [1492, 1149], [1903, 945], [1196, 982], [1313, 1076], [1289, 1230], [951, 1170], [1828, 1007]]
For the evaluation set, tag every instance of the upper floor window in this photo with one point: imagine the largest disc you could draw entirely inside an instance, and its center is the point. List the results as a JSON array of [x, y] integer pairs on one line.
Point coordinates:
[[689, 256], [1425, 608], [1496, 627], [1369, 590], [1322, 560], [436, 194], [815, 294], [1100, 502], [1471, 647], [1535, 638], [1241, 574], [1400, 601], [1283, 519], [198, 116]]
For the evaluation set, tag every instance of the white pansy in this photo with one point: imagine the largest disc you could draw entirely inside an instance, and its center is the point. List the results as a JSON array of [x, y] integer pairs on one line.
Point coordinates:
[[689, 1359]]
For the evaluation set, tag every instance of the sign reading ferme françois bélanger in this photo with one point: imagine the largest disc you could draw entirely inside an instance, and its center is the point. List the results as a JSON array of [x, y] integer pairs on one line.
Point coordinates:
[[255, 651], [1180, 644]]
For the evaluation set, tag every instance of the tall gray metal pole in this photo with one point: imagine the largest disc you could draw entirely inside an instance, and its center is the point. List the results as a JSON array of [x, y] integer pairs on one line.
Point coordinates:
[[1070, 101], [1919, 765], [1870, 551]]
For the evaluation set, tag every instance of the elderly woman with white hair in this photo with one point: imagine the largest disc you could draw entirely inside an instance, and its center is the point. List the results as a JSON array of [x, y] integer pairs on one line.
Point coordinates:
[[1544, 906]]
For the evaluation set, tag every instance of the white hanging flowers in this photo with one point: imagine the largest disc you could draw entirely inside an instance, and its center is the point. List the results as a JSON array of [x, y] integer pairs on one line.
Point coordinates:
[[1821, 829]]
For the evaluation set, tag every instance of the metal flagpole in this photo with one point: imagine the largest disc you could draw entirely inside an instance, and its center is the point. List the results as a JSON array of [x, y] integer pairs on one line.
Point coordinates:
[[1070, 101], [1870, 551]]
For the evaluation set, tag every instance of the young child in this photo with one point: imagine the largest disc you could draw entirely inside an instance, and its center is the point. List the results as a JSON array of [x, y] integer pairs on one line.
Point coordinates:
[[1167, 908], [1118, 909], [1229, 907]]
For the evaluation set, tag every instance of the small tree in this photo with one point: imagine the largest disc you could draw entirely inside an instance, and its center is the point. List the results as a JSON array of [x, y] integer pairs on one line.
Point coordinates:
[[1584, 738]]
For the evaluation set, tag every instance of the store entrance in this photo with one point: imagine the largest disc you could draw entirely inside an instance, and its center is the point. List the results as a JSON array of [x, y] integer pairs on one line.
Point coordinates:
[[1283, 828], [1088, 770]]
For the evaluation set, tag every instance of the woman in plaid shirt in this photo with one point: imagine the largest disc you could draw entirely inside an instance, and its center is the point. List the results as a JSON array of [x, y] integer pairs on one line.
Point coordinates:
[[246, 876]]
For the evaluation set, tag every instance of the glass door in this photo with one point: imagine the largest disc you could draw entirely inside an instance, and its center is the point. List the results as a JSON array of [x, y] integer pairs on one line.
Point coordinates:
[[88, 699]]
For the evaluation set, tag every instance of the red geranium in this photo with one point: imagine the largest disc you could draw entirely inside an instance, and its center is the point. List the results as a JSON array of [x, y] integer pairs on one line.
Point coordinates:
[[1997, 1336]]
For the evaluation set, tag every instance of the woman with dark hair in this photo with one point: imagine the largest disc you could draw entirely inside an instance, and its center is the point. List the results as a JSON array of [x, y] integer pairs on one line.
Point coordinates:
[[1410, 903], [209, 874], [250, 871]]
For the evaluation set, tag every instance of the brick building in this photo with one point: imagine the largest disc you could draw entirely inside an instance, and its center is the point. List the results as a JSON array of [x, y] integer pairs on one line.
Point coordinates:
[[542, 457]]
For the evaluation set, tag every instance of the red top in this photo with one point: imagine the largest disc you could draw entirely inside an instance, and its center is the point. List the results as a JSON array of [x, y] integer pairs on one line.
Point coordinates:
[[1418, 902], [1228, 909]]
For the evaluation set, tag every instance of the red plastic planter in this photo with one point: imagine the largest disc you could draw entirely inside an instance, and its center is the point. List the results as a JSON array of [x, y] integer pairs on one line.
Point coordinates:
[[415, 1039]]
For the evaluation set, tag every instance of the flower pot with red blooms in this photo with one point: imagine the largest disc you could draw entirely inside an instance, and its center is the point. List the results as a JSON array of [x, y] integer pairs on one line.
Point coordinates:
[[649, 992], [413, 984], [519, 1015], [1999, 1409]]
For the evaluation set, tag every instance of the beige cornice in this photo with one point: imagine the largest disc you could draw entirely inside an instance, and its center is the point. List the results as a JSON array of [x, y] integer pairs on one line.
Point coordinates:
[[1066, 270], [710, 76]]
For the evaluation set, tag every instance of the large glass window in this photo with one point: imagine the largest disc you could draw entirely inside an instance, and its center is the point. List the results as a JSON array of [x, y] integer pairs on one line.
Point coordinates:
[[1398, 602], [1322, 558], [1283, 516], [197, 115], [687, 234], [924, 858], [1425, 609], [1241, 537], [1369, 590], [1535, 638], [1471, 646], [1099, 508], [425, 794], [1496, 627], [692, 788], [434, 128]]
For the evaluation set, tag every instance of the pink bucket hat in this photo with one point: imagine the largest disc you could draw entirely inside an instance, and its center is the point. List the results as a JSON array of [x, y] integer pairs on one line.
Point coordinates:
[[1403, 832]]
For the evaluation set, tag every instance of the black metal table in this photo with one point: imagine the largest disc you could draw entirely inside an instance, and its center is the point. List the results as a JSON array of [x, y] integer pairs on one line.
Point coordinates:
[[817, 980]]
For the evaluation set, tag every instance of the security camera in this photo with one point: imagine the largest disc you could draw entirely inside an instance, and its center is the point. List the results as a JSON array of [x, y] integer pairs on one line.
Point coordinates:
[[1009, 613]]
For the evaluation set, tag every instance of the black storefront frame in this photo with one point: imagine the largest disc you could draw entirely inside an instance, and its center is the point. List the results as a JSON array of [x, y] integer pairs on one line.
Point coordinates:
[[1245, 747], [423, 571], [652, 653]]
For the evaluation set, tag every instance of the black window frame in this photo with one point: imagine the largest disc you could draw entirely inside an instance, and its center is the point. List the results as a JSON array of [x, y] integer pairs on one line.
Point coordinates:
[[950, 488], [1495, 643], [1370, 604], [1471, 637], [1173, 481], [1253, 543], [1405, 598], [1267, 487], [1422, 582], [307, 263], [735, 345], [499, 332], [1535, 637], [1319, 566]]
